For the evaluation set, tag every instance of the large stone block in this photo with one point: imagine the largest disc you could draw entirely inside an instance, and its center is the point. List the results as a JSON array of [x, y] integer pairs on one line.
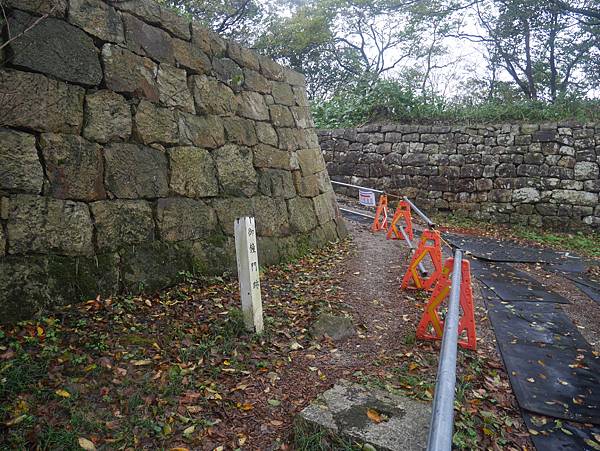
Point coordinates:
[[240, 131], [129, 73], [265, 133], [271, 216], [55, 48], [276, 183], [571, 197], [283, 94], [193, 172], [252, 105], [585, 170], [254, 81], [43, 225], [271, 157], [55, 8], [152, 124], [98, 19], [147, 40], [34, 102], [306, 186], [229, 73], [281, 116], [228, 209], [173, 89], [107, 117], [302, 215], [122, 222], [311, 161], [155, 14], [201, 131], [181, 219], [134, 171], [189, 56], [212, 97], [156, 265], [74, 167], [243, 56], [20, 167], [235, 170], [2, 242], [210, 42], [325, 207]]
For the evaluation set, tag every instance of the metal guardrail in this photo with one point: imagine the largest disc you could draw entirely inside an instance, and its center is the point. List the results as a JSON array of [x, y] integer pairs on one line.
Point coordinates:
[[442, 417], [357, 186]]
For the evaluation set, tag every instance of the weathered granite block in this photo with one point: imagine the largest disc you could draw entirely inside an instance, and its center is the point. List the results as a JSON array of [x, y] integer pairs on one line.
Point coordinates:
[[252, 105], [181, 219], [276, 183], [201, 131], [230, 208], [235, 170], [133, 171], [240, 131], [20, 167], [122, 222], [152, 124], [147, 40], [74, 167], [271, 216], [302, 215], [34, 102], [193, 172], [212, 97], [311, 161], [129, 73], [76, 62], [43, 225], [98, 19], [173, 90], [107, 117], [228, 72]]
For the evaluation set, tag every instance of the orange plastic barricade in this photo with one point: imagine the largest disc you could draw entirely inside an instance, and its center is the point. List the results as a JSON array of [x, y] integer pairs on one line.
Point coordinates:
[[430, 244], [381, 215], [402, 212], [431, 327]]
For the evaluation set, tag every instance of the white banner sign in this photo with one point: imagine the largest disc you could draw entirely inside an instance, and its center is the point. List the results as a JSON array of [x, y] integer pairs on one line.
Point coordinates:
[[366, 198]]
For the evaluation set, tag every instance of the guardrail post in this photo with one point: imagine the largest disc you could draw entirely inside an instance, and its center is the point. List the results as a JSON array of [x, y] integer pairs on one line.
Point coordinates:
[[442, 418]]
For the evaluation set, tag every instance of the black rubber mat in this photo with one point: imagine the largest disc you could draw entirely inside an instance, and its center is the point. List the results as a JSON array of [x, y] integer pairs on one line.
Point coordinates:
[[506, 251], [592, 293], [510, 284], [550, 434], [551, 367]]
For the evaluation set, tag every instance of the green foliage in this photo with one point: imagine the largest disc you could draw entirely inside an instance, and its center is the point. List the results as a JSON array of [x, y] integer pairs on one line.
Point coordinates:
[[390, 100]]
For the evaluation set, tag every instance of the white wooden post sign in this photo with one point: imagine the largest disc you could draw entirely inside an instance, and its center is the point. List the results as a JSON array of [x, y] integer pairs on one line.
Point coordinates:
[[247, 265]]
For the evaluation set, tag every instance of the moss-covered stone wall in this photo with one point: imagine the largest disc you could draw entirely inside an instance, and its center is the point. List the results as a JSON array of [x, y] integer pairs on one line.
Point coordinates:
[[130, 140]]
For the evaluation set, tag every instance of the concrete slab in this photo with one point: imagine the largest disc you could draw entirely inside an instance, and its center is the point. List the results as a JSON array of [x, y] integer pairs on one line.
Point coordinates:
[[340, 415]]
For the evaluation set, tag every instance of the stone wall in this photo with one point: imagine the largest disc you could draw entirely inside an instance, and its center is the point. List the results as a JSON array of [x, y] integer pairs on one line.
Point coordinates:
[[130, 139], [542, 175]]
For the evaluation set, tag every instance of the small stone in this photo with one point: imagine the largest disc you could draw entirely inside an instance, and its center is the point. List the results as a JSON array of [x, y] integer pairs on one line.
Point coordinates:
[[107, 117], [212, 97], [76, 61], [21, 169], [526, 195], [122, 222], [98, 19], [74, 167], [152, 124], [334, 326], [235, 170], [182, 219], [173, 89], [193, 172], [134, 171], [44, 225], [129, 73]]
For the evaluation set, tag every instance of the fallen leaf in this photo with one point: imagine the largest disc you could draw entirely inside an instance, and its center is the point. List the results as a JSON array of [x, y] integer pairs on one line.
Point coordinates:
[[189, 430], [86, 444], [141, 362], [374, 416], [63, 393]]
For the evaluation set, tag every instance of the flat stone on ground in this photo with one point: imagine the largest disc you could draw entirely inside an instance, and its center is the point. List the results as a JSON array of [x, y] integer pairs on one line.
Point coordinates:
[[341, 412], [336, 327]]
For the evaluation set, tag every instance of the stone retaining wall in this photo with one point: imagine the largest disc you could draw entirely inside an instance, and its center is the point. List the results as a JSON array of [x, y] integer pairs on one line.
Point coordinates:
[[542, 175], [130, 139]]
